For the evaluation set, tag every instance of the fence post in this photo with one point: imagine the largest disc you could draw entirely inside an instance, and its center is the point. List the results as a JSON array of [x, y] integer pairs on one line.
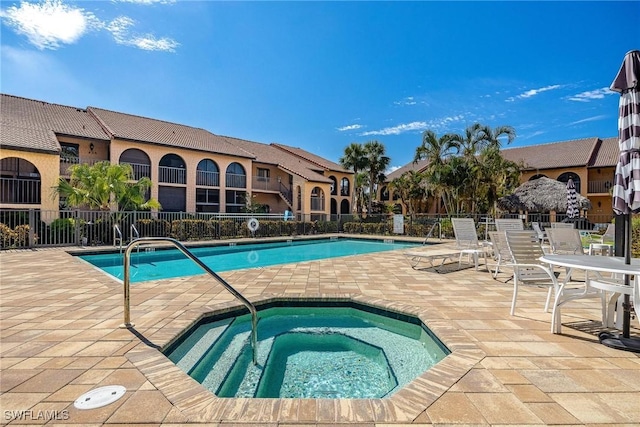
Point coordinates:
[[77, 226], [32, 227]]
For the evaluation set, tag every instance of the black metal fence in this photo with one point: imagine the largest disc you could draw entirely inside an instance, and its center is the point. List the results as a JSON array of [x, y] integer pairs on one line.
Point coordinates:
[[29, 228]]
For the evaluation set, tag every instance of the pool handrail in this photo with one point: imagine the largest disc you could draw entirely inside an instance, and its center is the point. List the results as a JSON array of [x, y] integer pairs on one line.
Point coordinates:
[[127, 294]]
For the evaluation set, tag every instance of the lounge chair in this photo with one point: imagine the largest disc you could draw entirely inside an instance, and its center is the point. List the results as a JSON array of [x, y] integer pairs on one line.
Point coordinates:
[[429, 255], [563, 225], [467, 242], [500, 250], [507, 224], [542, 235]]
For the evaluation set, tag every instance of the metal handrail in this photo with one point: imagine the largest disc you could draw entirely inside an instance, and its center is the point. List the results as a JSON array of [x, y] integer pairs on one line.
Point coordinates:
[[192, 257], [133, 232], [117, 236]]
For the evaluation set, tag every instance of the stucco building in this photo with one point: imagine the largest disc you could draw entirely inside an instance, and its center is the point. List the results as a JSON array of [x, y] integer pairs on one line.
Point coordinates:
[[192, 169]]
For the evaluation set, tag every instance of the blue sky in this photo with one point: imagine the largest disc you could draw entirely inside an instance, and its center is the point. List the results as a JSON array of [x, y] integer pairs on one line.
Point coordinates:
[[320, 75]]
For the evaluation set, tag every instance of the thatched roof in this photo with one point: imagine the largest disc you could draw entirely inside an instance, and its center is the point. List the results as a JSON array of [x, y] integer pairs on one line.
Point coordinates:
[[540, 195]]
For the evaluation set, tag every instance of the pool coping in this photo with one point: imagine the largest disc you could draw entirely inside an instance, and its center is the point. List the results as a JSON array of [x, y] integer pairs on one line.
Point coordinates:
[[198, 404]]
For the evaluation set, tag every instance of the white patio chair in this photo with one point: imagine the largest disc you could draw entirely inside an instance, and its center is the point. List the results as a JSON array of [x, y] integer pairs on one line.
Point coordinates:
[[542, 235], [565, 241], [608, 236], [563, 225], [612, 291], [526, 251], [507, 224], [467, 240], [500, 250]]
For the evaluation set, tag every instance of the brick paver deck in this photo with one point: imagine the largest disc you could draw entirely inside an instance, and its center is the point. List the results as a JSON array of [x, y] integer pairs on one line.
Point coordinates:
[[60, 338]]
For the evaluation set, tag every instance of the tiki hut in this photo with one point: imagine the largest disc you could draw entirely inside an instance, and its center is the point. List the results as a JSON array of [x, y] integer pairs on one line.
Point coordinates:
[[540, 195]]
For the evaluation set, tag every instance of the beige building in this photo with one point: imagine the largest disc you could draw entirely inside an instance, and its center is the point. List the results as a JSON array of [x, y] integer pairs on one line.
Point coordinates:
[[590, 162], [192, 169]]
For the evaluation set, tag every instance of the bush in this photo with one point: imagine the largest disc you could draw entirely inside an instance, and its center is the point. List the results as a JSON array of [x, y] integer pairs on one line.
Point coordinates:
[[14, 238]]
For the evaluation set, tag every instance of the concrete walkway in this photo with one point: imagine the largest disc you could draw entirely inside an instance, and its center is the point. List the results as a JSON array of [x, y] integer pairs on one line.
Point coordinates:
[[60, 338]]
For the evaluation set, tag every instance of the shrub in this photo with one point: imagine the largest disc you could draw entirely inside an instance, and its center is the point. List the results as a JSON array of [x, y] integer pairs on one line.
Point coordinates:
[[7, 236]]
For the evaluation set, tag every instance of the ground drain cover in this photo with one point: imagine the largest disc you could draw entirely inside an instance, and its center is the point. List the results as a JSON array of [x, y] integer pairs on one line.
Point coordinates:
[[99, 397]]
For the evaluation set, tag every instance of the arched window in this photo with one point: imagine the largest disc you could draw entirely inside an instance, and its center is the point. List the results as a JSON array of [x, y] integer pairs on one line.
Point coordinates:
[[236, 177], [384, 194], [334, 185], [299, 197], [139, 161], [317, 199], [19, 181], [334, 207], [344, 207], [173, 169], [207, 173], [565, 177], [344, 187]]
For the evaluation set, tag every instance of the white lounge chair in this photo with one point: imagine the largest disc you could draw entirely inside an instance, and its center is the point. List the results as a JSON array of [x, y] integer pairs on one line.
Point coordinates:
[[563, 225], [506, 224], [467, 242], [500, 250], [542, 235], [608, 236]]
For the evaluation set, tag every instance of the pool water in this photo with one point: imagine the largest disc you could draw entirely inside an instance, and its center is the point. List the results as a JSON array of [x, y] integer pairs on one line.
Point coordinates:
[[149, 264], [308, 352]]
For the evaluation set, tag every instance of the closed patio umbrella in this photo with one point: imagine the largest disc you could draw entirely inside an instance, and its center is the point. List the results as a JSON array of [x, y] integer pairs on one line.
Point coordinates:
[[572, 200], [626, 189]]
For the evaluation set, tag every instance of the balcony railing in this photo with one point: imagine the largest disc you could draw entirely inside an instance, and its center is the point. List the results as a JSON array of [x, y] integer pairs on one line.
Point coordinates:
[[234, 180], [265, 183], [317, 204], [210, 179], [600, 186], [67, 162], [20, 191], [171, 175], [140, 170]]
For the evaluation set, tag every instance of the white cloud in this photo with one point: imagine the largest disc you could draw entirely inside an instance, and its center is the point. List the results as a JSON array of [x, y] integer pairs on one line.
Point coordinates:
[[435, 125], [392, 169], [120, 29], [349, 127], [50, 23], [147, 2], [533, 92], [397, 130], [592, 94], [406, 101], [588, 119]]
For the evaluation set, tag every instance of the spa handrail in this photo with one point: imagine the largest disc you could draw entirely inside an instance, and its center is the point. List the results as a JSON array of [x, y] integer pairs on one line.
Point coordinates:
[[185, 251]]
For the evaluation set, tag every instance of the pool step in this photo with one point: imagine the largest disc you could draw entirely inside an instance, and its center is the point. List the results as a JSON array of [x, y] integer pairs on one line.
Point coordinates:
[[194, 347]]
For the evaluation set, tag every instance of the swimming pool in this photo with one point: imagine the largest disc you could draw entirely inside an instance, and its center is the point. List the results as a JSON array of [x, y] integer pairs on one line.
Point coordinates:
[[154, 264], [308, 349]]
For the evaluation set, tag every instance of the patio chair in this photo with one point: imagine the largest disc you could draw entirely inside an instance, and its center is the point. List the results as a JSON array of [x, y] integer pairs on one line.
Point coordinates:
[[608, 236], [613, 289], [563, 225], [500, 250], [542, 235], [467, 242], [565, 241], [526, 250], [506, 224]]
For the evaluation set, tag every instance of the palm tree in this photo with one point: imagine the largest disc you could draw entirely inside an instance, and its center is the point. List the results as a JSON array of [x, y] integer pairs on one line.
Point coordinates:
[[437, 151], [491, 137], [102, 185], [377, 163], [411, 190], [354, 159]]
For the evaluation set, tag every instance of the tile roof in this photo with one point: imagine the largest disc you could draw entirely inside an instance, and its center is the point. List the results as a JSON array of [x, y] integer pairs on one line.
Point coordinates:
[[608, 153], [564, 154], [143, 129], [30, 124], [313, 158], [420, 166], [271, 155]]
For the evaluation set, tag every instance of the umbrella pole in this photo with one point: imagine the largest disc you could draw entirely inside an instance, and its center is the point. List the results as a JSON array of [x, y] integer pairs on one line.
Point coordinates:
[[623, 341]]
